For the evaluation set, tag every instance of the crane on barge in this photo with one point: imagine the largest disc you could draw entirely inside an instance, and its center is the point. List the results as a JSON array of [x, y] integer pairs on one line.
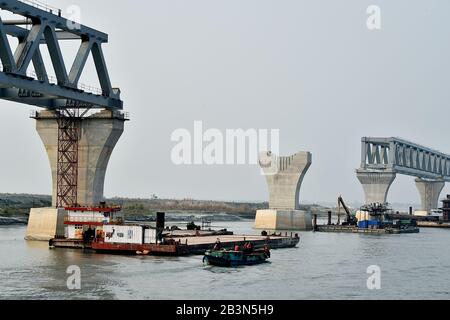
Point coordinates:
[[350, 219]]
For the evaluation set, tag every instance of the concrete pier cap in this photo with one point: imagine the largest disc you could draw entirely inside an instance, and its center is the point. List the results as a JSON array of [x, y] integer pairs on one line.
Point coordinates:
[[99, 134], [284, 177], [375, 184]]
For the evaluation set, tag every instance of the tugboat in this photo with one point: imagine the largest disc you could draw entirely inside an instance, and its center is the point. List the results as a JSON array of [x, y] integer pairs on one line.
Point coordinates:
[[237, 257]]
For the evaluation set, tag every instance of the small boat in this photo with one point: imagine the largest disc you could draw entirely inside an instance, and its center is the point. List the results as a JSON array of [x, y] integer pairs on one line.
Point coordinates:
[[228, 258]]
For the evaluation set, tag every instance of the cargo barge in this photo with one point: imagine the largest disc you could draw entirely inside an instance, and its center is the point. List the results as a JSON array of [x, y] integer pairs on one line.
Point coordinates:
[[196, 245], [433, 224], [439, 218], [352, 229], [103, 230], [375, 218]]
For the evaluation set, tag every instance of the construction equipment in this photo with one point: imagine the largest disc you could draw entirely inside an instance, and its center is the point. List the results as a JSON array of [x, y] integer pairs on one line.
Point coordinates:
[[376, 210], [351, 219]]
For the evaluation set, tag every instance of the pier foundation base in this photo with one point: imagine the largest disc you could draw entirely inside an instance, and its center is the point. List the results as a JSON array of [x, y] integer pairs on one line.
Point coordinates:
[[274, 219], [45, 224]]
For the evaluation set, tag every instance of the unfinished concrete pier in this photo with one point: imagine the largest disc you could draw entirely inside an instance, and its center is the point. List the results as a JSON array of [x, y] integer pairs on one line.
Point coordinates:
[[284, 176], [429, 191], [99, 134]]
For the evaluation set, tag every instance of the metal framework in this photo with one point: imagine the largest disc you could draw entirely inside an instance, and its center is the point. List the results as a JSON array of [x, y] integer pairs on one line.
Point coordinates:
[[48, 27], [69, 127], [42, 25], [404, 157]]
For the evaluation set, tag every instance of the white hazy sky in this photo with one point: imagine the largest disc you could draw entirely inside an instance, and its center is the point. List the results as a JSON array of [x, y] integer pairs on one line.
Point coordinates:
[[309, 68]]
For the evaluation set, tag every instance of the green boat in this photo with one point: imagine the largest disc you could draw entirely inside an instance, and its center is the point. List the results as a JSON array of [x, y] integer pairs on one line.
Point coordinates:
[[228, 258]]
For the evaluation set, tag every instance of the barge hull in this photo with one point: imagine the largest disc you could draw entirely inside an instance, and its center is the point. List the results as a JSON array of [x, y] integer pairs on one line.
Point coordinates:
[[182, 246], [352, 229], [433, 224], [141, 249]]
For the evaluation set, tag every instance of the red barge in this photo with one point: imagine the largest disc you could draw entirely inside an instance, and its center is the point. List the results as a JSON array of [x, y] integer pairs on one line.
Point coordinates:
[[103, 229]]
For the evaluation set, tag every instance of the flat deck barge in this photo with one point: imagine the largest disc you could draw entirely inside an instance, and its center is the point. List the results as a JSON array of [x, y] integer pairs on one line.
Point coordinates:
[[196, 245], [353, 229], [433, 224]]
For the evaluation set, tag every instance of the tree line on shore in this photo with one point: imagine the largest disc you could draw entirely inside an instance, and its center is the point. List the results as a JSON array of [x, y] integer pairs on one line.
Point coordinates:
[[19, 205]]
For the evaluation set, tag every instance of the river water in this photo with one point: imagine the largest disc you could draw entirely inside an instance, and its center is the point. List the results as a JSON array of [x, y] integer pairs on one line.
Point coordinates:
[[324, 266]]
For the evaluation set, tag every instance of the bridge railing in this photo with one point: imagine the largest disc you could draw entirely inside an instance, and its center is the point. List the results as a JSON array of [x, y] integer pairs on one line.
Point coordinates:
[[43, 6], [53, 80]]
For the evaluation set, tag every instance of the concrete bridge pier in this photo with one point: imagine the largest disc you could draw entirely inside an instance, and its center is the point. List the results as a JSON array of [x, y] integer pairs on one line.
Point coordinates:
[[376, 184], [429, 191], [284, 176], [99, 135]]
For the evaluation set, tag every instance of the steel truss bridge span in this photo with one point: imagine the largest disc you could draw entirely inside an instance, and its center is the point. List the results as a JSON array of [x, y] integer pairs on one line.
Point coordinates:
[[404, 157], [44, 27]]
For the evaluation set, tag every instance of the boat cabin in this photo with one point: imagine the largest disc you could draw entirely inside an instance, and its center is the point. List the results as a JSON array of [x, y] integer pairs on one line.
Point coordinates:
[[87, 223]]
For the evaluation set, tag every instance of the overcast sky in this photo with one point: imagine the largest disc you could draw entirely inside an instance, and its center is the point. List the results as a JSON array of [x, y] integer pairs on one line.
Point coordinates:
[[309, 68]]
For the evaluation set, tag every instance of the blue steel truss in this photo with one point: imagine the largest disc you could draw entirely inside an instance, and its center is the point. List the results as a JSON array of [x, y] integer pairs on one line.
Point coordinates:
[[48, 28]]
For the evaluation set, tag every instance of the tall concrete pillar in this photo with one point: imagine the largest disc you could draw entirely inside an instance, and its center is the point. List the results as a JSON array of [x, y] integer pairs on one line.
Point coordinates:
[[429, 193], [375, 184], [284, 176], [99, 135]]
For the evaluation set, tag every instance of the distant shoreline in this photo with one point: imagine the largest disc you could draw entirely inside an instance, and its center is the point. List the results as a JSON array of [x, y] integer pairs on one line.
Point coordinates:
[[15, 208], [12, 221]]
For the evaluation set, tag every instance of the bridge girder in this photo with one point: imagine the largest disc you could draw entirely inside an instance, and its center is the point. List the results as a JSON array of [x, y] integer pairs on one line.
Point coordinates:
[[65, 91], [404, 157]]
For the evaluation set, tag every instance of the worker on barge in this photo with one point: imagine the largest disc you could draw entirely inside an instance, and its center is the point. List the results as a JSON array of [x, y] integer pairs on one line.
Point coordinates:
[[248, 247], [217, 245]]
